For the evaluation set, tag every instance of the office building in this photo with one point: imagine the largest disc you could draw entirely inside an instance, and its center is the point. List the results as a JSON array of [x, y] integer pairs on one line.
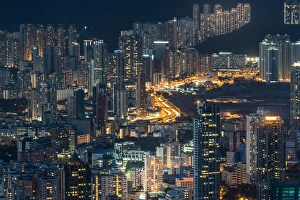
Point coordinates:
[[77, 179], [100, 108], [160, 59], [295, 97], [80, 105], [87, 50], [71, 36], [148, 64], [120, 105], [207, 177], [141, 93], [100, 51]]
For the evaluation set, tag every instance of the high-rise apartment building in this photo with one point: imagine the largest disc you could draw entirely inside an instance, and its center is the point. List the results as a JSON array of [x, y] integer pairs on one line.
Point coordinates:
[[40, 39], [196, 15], [61, 39], [153, 174], [271, 150], [71, 36], [27, 39], [291, 14], [48, 187], [269, 61], [207, 177], [170, 31], [295, 52], [286, 59], [49, 35], [170, 152], [253, 122], [223, 21], [131, 47], [275, 58], [110, 184], [270, 155]]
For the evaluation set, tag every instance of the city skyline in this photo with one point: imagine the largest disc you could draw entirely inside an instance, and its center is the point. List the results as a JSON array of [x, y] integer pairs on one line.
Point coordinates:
[[156, 116], [105, 21]]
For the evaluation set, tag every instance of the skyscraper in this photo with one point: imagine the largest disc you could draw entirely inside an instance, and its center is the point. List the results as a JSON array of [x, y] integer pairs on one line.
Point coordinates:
[[87, 50], [295, 52], [50, 59], [286, 59], [270, 60], [99, 49], [273, 64], [270, 165], [295, 97], [160, 59], [100, 108], [80, 107], [271, 150], [207, 153], [170, 29], [253, 122], [148, 64], [120, 105], [141, 93]]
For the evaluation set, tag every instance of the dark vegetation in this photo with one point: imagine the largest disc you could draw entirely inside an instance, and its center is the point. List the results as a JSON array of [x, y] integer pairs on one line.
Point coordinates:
[[13, 105]]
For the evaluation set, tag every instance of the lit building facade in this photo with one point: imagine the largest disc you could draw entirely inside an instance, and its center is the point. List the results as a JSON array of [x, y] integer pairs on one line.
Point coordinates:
[[295, 97], [153, 174], [291, 14], [207, 177]]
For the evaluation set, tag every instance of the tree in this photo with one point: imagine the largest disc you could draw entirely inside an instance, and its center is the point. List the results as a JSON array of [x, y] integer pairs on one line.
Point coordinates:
[[131, 165]]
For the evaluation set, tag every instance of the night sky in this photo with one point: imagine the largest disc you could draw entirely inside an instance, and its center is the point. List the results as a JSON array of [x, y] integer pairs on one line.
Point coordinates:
[[106, 19]]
